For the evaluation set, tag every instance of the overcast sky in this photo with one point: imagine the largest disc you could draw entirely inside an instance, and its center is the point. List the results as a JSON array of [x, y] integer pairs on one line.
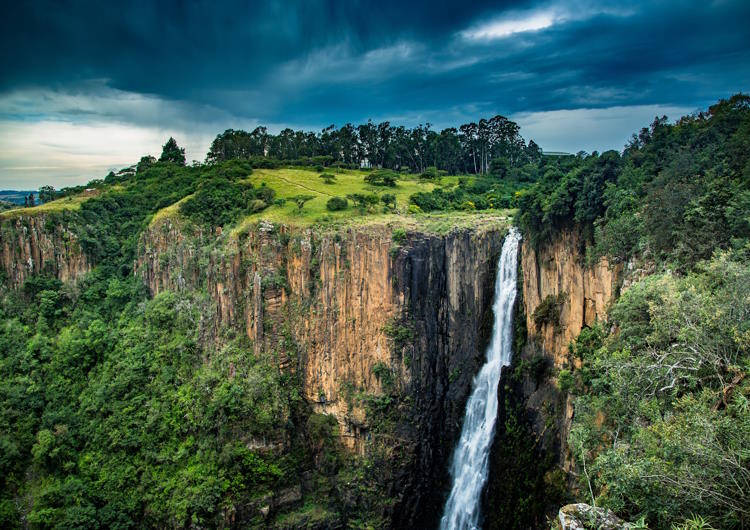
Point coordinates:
[[90, 86]]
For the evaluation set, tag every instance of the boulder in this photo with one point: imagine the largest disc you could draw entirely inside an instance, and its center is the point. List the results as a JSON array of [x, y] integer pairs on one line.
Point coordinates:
[[581, 516]]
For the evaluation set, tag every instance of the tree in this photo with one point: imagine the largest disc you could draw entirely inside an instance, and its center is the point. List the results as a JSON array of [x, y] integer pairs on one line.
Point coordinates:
[[300, 200], [389, 199], [328, 178], [30, 200], [171, 152], [382, 177], [47, 194], [144, 163], [363, 200]]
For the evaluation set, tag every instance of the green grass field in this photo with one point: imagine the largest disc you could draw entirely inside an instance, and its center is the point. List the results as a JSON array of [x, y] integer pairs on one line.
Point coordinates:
[[66, 203], [291, 182]]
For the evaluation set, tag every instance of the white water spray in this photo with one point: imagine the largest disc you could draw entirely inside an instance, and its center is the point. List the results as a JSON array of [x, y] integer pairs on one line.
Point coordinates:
[[470, 460]]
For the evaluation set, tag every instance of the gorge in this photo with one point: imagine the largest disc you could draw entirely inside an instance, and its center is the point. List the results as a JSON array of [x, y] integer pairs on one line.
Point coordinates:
[[248, 343]]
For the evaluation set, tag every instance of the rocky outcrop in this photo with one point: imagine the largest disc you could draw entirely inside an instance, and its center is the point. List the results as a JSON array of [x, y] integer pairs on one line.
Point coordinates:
[[38, 244], [581, 516], [582, 292], [356, 314], [579, 294]]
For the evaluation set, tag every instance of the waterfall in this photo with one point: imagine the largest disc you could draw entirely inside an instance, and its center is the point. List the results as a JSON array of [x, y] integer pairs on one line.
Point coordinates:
[[470, 459]]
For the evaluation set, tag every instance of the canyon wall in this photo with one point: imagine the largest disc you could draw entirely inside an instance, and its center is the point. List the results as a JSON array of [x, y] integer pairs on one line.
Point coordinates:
[[33, 244], [579, 294], [582, 293], [357, 313]]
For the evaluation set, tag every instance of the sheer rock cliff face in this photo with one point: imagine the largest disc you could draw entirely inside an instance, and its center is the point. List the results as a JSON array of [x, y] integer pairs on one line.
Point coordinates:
[[35, 244], [585, 292], [352, 304], [558, 269]]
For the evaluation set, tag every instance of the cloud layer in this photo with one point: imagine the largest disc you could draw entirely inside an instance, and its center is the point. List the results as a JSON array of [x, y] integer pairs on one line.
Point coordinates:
[[114, 79]]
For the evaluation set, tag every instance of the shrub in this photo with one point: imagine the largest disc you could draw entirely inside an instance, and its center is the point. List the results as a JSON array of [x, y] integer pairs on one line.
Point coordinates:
[[382, 177], [389, 200], [399, 235], [336, 204], [328, 178], [220, 201], [548, 312], [384, 374]]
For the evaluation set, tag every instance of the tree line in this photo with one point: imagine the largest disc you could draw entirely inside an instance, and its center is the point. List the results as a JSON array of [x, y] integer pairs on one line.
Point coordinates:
[[491, 145]]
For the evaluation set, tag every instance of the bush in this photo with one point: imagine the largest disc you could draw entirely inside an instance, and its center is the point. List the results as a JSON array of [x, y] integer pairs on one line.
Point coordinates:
[[336, 204], [382, 177], [548, 311], [220, 201]]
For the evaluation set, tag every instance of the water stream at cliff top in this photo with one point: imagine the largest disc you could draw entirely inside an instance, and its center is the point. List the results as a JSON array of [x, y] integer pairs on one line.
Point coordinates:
[[471, 457]]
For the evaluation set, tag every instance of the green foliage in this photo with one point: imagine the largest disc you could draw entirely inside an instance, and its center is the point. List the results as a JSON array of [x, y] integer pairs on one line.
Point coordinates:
[[384, 374], [695, 522], [400, 333], [47, 194], [109, 224], [336, 204], [122, 417], [662, 418], [430, 173], [220, 201], [363, 200], [328, 178], [171, 152], [476, 193], [548, 311], [399, 236], [382, 177], [389, 200], [300, 200], [678, 192]]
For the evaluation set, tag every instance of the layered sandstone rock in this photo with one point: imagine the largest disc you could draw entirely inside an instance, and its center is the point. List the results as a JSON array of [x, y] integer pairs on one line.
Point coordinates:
[[36, 244], [558, 269]]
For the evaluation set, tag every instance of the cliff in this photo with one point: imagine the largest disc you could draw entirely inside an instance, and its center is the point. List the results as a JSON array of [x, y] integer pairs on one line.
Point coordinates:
[[32, 244], [557, 272], [367, 314]]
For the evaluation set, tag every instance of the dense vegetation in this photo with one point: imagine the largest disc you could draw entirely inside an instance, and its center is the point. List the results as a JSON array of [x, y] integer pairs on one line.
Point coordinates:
[[493, 145], [661, 431], [119, 410], [678, 192], [221, 200]]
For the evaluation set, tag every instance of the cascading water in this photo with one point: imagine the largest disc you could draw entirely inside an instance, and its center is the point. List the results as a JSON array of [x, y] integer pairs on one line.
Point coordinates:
[[470, 459]]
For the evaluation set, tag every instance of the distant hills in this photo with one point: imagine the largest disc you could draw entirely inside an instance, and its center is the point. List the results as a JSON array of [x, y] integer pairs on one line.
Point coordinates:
[[17, 196]]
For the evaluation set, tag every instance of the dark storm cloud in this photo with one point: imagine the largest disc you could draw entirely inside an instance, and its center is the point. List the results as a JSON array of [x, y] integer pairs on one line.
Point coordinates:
[[318, 61]]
